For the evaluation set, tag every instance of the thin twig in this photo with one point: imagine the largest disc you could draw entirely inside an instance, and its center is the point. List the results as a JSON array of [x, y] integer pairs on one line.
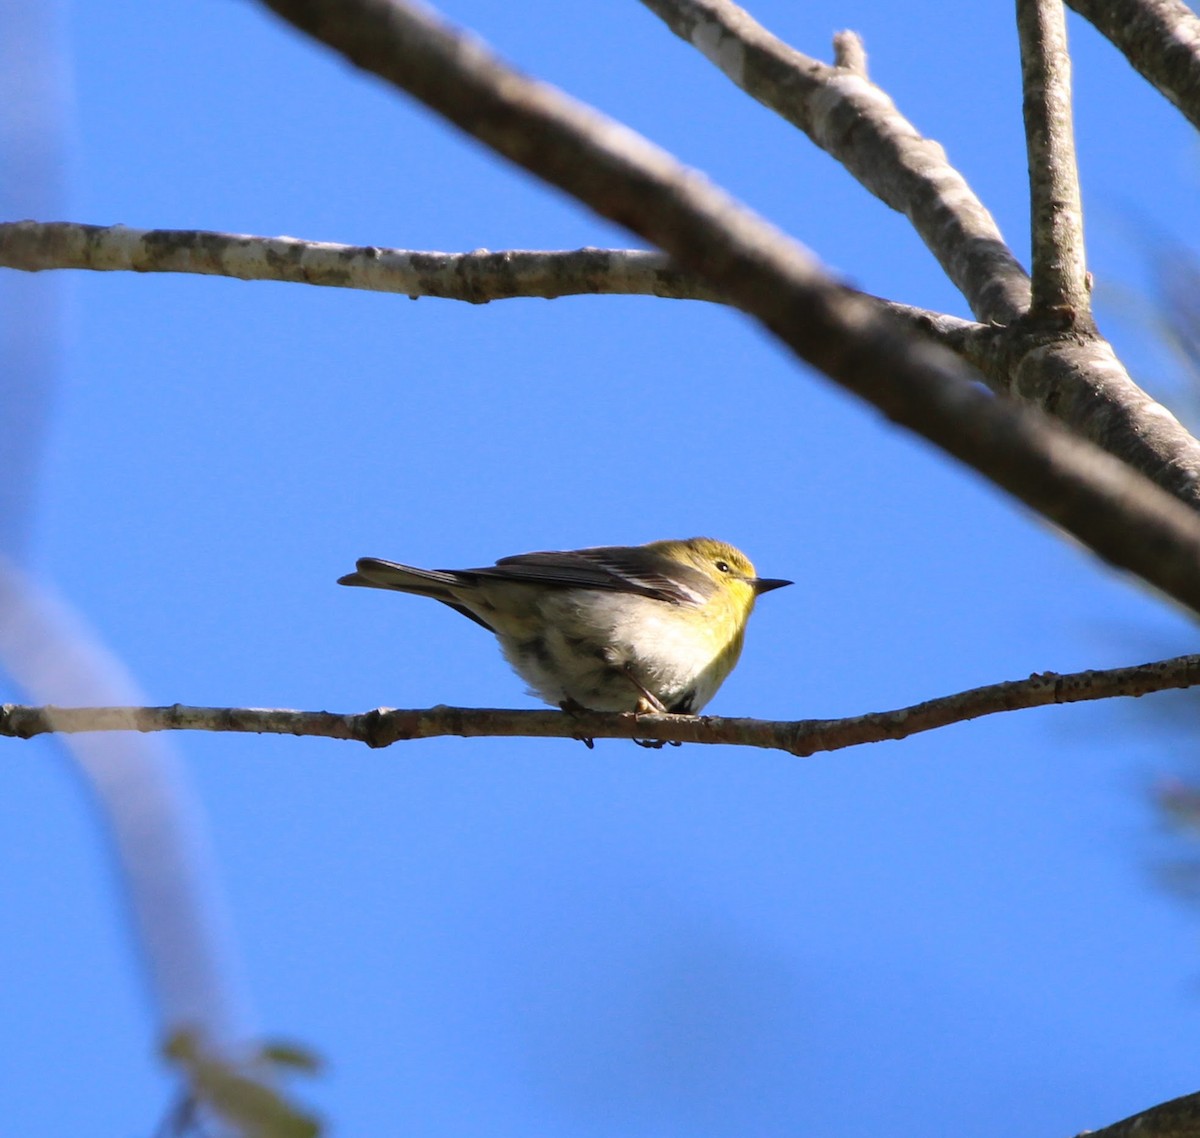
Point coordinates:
[[855, 121], [384, 726], [1060, 284], [1161, 38], [620, 175], [849, 52]]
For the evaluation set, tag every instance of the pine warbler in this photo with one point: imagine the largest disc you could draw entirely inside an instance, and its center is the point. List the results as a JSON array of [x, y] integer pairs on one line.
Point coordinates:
[[645, 628]]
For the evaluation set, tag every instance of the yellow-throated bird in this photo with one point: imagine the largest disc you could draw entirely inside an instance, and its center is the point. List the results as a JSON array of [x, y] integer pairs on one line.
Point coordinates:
[[642, 628]]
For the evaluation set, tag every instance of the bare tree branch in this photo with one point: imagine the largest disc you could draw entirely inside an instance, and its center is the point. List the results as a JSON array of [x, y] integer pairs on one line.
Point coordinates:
[[1080, 381], [848, 116], [385, 726], [477, 277], [1093, 395], [1100, 402], [1161, 38], [1082, 384], [855, 122], [610, 168], [964, 338], [849, 52], [1179, 1118], [1110, 409], [1056, 208]]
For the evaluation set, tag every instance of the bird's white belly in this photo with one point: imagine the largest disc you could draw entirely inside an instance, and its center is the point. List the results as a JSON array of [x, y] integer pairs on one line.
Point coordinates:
[[598, 649]]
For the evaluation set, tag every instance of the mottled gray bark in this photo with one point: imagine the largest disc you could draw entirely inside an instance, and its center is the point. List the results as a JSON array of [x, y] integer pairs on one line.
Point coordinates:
[[1161, 38]]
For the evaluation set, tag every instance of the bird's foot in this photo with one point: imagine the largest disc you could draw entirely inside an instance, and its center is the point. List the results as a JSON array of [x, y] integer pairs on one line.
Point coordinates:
[[570, 707]]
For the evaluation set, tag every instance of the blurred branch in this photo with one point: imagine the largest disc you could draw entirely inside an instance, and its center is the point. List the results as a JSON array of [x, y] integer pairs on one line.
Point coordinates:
[[853, 120], [385, 726], [1178, 1118], [149, 812], [1160, 38], [1056, 209], [149, 820], [35, 110]]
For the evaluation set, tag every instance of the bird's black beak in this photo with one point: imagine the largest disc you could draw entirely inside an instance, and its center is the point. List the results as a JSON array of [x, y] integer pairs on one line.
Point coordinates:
[[766, 584]]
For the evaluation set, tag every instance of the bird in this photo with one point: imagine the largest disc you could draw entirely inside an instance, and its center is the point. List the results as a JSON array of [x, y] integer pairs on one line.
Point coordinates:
[[652, 628]]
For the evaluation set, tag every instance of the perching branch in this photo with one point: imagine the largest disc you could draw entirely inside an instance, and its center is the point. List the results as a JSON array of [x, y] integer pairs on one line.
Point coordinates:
[[385, 726], [1161, 38], [1056, 209], [623, 177], [845, 114]]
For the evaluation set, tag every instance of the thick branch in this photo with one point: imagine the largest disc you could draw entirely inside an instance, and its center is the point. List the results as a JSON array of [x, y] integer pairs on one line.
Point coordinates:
[[855, 122], [1179, 1118], [1161, 38], [1056, 208], [384, 726], [1080, 381], [607, 166], [848, 116]]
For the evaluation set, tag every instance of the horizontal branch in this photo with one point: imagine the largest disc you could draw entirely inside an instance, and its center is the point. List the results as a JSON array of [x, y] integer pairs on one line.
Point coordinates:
[[477, 277], [1097, 400], [385, 726], [1102, 404]]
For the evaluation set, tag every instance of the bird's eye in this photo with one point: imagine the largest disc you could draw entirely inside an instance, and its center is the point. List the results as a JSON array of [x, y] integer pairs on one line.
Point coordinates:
[[722, 566]]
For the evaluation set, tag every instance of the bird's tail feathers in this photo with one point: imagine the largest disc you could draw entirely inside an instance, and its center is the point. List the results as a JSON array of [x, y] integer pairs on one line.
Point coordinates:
[[374, 573]]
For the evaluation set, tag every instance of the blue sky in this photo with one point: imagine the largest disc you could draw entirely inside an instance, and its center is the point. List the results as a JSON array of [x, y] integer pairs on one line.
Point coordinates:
[[957, 931]]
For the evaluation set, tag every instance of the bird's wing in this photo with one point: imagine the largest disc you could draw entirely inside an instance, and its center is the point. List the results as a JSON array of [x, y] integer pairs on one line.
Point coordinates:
[[626, 569]]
